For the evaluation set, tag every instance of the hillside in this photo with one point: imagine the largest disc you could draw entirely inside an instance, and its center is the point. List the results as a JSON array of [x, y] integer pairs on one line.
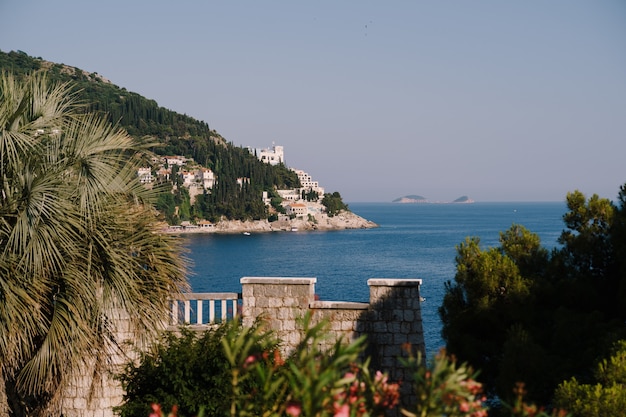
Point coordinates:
[[178, 135]]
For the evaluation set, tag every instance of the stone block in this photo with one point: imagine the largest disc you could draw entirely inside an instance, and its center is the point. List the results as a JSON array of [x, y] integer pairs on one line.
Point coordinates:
[[394, 327], [399, 339], [79, 403], [380, 327], [409, 315]]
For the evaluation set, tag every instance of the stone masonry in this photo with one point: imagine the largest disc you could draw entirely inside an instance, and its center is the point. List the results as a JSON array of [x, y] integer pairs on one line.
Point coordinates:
[[392, 319]]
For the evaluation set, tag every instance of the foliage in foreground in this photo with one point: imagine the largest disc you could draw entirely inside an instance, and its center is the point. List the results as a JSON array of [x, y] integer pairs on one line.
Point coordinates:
[[253, 379], [189, 370], [78, 247]]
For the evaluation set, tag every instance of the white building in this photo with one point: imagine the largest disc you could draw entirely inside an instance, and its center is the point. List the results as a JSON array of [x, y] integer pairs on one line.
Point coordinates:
[[290, 195], [189, 178], [308, 184], [297, 209], [206, 177], [202, 178], [242, 180], [174, 160], [273, 156], [145, 175]]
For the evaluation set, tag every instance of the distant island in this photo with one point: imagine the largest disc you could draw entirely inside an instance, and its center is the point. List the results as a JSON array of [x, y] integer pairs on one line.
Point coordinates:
[[463, 199], [412, 199]]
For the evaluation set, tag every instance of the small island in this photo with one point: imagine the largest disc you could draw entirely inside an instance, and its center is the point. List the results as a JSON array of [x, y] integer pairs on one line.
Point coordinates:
[[413, 198], [463, 200]]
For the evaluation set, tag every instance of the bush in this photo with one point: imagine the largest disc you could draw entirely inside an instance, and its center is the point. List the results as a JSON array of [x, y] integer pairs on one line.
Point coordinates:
[[607, 397], [238, 371], [188, 369]]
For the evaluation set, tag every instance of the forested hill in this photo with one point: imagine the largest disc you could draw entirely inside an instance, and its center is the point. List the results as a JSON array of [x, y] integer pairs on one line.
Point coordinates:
[[179, 135]]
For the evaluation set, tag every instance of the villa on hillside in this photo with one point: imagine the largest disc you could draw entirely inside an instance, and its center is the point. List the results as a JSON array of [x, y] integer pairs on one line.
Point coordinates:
[[296, 209], [272, 156], [174, 160], [308, 184], [145, 175]]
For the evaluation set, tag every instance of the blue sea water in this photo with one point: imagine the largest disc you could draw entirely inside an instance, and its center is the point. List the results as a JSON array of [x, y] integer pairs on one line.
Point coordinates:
[[412, 241]]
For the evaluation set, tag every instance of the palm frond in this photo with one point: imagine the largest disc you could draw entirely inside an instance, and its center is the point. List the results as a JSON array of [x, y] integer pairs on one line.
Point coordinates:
[[78, 247]]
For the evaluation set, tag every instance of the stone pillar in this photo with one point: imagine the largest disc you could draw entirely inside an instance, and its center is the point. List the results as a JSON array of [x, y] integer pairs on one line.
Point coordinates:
[[395, 321], [279, 302]]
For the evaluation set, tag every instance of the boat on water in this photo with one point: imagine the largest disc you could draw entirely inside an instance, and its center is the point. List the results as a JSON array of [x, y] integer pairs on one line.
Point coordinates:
[[246, 233], [294, 229]]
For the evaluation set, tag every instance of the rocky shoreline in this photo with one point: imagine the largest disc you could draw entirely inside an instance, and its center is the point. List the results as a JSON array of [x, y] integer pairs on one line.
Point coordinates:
[[319, 221]]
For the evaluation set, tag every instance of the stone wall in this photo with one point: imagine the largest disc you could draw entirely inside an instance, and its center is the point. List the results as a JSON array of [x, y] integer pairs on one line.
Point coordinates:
[[96, 392], [392, 318]]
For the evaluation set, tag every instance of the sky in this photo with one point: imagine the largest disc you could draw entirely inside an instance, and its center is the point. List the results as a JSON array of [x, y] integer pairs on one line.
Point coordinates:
[[495, 100]]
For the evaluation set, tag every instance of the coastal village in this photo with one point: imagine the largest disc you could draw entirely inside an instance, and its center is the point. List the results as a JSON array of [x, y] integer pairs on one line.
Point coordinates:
[[300, 214]]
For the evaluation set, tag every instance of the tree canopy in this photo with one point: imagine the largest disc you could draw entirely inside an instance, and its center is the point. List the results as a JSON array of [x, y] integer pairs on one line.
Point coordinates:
[[521, 313], [333, 203]]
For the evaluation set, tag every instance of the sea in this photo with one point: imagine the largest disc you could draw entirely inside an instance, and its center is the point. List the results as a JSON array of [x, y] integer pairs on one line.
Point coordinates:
[[411, 241]]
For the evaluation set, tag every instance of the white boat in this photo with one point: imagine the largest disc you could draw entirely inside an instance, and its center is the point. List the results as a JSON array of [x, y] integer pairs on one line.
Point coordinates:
[[246, 233], [294, 229]]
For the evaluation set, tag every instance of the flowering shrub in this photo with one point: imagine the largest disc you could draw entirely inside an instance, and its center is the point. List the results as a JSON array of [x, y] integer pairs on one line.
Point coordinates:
[[311, 382], [444, 389], [523, 409], [338, 382]]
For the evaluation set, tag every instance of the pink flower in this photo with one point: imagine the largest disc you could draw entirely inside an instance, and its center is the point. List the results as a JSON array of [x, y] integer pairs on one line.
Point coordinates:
[[293, 409], [343, 411], [249, 361], [156, 410]]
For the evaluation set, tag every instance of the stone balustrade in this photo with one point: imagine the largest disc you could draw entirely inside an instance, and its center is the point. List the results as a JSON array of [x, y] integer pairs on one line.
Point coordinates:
[[199, 310]]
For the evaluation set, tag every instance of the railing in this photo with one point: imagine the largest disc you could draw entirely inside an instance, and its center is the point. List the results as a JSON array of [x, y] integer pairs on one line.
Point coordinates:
[[189, 308]]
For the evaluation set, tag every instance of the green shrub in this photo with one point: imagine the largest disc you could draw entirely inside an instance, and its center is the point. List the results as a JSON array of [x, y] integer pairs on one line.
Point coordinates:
[[187, 369], [606, 397]]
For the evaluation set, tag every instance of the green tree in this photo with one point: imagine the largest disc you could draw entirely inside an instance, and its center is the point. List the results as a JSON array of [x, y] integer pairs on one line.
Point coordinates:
[[166, 205], [78, 246], [333, 203], [587, 244], [566, 307], [486, 299]]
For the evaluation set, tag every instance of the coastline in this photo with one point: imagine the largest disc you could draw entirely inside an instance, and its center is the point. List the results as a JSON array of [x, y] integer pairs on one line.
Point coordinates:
[[319, 221]]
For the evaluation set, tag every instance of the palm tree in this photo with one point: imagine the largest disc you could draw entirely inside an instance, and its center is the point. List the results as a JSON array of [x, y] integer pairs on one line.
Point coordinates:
[[79, 247]]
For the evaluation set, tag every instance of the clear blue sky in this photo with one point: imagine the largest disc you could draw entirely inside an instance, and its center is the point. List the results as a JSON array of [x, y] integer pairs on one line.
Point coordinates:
[[497, 100]]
